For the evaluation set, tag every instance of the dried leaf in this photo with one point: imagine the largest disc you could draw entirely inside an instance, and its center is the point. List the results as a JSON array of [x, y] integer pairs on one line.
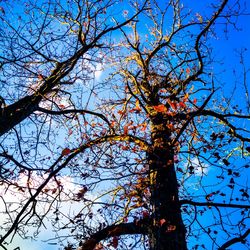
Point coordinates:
[[125, 129], [232, 181], [173, 105], [162, 222], [226, 162], [66, 151], [40, 76], [182, 105], [160, 108], [171, 228]]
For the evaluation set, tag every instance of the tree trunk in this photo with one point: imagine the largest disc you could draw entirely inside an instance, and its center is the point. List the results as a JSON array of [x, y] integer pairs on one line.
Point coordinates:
[[15, 113], [167, 231]]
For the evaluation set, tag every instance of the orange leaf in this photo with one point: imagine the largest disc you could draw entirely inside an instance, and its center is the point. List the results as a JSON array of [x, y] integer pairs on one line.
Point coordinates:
[[209, 196], [40, 77], [124, 147], [171, 228], [61, 106], [162, 90], [182, 105], [160, 108], [120, 112], [170, 126], [144, 126], [194, 101], [113, 123], [188, 71], [137, 104], [162, 221], [173, 105], [137, 107], [66, 151], [125, 128]]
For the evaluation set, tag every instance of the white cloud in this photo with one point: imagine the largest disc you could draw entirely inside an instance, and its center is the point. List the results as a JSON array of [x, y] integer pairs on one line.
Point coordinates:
[[98, 71], [199, 168], [14, 198]]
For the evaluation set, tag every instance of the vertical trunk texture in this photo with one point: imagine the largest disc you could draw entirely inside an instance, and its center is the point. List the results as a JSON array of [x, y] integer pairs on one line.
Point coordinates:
[[15, 113], [167, 231]]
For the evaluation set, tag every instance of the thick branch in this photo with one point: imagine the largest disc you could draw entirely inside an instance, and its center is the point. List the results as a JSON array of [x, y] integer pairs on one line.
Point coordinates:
[[15, 113], [239, 239], [74, 111], [222, 118], [114, 230], [213, 204]]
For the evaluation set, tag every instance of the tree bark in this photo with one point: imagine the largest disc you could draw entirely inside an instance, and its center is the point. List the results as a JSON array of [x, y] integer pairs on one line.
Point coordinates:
[[15, 113], [167, 229], [114, 230]]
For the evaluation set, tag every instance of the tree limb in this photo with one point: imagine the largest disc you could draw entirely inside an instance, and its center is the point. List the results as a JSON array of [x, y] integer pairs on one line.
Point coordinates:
[[23, 108], [222, 118], [239, 239], [213, 204], [70, 111], [114, 230]]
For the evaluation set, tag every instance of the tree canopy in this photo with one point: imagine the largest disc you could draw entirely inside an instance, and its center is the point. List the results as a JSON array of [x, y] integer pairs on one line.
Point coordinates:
[[120, 127]]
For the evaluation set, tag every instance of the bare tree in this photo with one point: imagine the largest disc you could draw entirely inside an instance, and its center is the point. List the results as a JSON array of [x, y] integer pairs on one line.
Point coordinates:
[[149, 157]]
